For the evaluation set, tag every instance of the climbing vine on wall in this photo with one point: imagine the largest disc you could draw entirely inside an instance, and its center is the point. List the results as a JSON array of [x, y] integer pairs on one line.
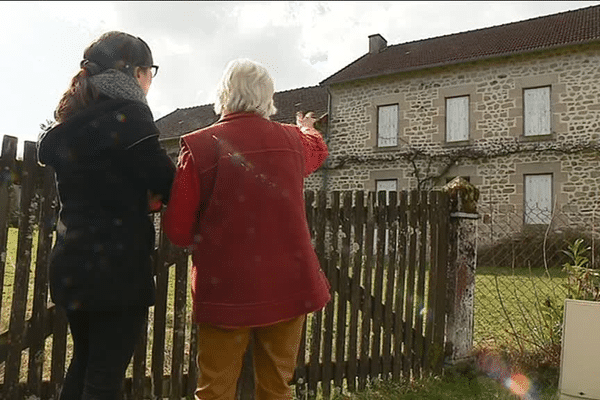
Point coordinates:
[[429, 164]]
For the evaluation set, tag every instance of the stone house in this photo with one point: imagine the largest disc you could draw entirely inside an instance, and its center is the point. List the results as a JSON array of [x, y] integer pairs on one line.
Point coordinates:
[[514, 109]]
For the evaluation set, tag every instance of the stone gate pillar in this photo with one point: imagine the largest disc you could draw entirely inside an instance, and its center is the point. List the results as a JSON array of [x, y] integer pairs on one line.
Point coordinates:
[[462, 260]]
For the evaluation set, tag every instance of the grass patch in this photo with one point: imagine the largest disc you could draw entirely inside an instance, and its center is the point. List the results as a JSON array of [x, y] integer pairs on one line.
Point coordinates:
[[450, 388], [517, 293], [9, 277]]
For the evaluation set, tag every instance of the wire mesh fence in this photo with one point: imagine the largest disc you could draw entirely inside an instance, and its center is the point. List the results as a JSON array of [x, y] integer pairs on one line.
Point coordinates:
[[520, 279]]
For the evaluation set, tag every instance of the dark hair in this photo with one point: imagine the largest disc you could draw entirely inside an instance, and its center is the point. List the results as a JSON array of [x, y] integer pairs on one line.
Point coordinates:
[[112, 50]]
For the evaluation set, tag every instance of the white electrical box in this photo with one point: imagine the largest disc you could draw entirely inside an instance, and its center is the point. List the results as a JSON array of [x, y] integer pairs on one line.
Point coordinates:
[[580, 359]]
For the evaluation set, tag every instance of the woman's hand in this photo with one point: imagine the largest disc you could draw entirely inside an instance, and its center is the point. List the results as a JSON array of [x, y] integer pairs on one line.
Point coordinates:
[[154, 202], [308, 120]]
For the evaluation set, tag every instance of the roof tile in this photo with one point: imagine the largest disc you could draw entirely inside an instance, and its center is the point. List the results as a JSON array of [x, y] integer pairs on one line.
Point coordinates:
[[552, 31], [182, 121]]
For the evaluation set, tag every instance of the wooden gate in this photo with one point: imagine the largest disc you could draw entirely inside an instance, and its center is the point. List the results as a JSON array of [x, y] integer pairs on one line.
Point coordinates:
[[386, 261]]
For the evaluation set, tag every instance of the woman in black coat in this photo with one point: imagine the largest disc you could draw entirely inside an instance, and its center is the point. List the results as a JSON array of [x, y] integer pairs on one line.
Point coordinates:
[[108, 163]]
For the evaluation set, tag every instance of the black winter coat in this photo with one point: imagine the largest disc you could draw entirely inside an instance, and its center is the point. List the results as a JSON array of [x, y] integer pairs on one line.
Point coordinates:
[[106, 159]]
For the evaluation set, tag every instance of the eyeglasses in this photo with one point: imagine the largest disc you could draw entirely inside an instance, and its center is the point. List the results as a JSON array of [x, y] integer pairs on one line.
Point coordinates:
[[154, 69]]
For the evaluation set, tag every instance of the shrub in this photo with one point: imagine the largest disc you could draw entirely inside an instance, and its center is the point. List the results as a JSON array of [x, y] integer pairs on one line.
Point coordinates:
[[534, 247], [583, 282]]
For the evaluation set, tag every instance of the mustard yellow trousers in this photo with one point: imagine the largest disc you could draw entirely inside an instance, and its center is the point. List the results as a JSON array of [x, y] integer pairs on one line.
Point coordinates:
[[221, 352]]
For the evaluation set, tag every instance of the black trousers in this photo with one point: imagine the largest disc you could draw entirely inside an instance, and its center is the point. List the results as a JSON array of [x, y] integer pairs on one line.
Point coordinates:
[[103, 344]]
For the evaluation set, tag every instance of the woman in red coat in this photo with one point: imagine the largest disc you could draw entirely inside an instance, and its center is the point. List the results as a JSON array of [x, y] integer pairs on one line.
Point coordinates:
[[237, 201]]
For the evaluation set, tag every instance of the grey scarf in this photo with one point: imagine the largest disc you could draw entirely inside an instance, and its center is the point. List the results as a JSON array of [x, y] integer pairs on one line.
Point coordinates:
[[118, 85]]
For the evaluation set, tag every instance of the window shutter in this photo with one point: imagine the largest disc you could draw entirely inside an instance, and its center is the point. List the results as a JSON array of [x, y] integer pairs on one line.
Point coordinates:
[[538, 199], [388, 185], [537, 111], [457, 119], [387, 126]]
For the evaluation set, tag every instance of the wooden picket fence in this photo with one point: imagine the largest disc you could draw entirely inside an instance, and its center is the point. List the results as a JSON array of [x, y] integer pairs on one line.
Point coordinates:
[[386, 259]]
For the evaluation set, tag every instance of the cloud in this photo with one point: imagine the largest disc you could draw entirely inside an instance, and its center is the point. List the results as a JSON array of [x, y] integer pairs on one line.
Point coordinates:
[[192, 43], [256, 17], [302, 43], [41, 47]]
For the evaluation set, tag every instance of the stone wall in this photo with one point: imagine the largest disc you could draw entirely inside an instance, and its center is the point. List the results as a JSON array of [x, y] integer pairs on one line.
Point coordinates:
[[497, 155]]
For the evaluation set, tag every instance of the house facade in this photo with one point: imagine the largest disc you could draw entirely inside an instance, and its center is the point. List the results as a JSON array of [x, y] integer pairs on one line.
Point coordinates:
[[514, 109]]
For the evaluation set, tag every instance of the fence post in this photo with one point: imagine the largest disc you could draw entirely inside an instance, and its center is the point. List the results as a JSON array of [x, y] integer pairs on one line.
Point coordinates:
[[462, 260]]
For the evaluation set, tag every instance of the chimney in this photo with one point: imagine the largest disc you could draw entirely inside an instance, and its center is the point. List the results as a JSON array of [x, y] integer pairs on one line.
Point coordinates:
[[376, 43]]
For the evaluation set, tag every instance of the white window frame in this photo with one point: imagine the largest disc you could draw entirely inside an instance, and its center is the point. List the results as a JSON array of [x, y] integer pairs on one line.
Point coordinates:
[[457, 119], [388, 185], [537, 197], [465, 177], [387, 125], [537, 115]]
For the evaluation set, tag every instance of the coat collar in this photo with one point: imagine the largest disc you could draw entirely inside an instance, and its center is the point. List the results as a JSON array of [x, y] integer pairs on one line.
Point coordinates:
[[238, 115]]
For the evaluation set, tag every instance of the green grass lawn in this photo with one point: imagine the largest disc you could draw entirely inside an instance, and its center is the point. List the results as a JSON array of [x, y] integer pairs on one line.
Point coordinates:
[[456, 388], [508, 301], [9, 276]]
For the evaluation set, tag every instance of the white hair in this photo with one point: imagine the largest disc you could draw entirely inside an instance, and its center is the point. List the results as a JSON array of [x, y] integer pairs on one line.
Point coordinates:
[[245, 86]]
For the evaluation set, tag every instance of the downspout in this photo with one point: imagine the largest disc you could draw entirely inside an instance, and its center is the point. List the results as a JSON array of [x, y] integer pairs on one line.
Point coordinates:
[[325, 183]]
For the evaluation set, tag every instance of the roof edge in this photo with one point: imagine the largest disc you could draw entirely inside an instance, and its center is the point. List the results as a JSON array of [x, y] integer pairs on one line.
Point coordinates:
[[165, 116], [462, 61], [494, 26]]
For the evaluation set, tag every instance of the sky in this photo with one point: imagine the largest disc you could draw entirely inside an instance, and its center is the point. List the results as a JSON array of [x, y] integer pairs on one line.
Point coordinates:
[[301, 43]]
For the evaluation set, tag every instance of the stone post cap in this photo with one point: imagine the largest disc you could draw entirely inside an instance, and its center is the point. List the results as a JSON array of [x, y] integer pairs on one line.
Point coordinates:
[[463, 195]]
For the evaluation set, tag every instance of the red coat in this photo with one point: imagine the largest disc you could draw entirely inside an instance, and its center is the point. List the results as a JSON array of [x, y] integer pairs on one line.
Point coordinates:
[[238, 200]]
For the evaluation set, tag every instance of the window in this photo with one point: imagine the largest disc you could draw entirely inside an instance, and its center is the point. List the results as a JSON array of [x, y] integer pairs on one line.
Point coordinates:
[[536, 111], [387, 125], [538, 199], [389, 185], [457, 119]]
